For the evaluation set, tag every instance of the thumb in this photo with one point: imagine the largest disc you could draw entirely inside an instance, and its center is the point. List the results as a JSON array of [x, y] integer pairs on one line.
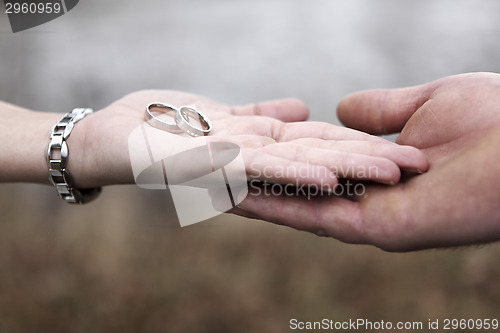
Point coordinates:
[[382, 111]]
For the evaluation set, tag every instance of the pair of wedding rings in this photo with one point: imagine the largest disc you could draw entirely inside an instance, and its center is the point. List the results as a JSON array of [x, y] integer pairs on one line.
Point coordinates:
[[182, 116]]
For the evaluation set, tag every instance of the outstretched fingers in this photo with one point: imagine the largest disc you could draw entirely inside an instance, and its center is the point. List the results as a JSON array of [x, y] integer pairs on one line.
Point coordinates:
[[287, 110], [316, 161], [275, 169], [320, 130], [344, 164], [406, 157]]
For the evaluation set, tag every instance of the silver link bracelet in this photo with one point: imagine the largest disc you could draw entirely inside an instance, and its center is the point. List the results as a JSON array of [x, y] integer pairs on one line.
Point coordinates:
[[57, 158]]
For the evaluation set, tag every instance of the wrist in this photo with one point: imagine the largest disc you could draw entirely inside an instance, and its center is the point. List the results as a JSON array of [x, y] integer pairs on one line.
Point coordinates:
[[99, 156], [58, 154], [80, 160]]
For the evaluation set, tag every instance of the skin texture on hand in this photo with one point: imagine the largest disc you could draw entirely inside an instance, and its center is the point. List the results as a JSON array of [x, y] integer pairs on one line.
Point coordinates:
[[271, 135], [455, 121]]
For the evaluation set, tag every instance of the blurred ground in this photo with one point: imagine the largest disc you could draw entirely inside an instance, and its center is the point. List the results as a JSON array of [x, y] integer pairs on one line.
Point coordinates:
[[122, 265]]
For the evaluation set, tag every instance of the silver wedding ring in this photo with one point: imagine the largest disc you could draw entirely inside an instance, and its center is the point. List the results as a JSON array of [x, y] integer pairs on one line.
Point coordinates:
[[182, 119], [159, 123], [183, 116]]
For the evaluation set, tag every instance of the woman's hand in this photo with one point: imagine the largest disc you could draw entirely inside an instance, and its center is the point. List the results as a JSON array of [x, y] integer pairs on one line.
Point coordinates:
[[271, 136]]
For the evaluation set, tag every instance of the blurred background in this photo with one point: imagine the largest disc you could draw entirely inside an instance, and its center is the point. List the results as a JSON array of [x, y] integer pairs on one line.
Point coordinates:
[[122, 264]]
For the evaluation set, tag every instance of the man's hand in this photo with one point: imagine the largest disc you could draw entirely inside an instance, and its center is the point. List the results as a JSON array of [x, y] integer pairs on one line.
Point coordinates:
[[456, 123]]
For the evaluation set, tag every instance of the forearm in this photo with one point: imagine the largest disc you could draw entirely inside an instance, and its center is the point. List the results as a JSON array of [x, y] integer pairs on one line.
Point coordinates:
[[24, 135]]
